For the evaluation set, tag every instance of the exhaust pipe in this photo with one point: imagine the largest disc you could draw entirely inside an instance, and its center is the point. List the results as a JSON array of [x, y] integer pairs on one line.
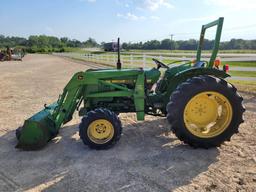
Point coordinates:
[[118, 64]]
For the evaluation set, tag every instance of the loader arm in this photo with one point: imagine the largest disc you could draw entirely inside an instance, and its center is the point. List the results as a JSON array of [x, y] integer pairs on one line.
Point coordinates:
[[45, 125], [68, 101]]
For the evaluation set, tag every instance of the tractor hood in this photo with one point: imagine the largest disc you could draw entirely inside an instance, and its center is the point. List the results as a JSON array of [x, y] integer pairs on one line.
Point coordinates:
[[151, 75]]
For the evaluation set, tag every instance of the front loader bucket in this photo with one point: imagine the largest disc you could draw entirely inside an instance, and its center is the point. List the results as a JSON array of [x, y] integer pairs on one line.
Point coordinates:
[[37, 130]]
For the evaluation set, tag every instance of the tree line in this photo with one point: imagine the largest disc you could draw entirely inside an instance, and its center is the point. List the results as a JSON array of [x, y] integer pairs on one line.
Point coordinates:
[[191, 44], [43, 43]]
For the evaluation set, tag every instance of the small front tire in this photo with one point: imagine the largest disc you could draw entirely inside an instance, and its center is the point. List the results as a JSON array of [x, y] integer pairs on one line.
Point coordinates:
[[100, 129]]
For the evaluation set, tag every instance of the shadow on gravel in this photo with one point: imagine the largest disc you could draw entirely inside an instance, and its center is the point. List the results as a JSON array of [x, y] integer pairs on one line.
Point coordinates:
[[143, 160], [250, 103]]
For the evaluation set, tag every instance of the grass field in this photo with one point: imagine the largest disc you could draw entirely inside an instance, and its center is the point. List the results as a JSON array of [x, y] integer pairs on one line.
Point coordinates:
[[190, 51], [76, 50], [248, 86], [138, 55], [160, 51], [242, 63], [167, 61], [243, 73]]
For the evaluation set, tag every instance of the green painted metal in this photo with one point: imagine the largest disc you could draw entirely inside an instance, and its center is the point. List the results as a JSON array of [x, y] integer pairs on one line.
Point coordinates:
[[122, 90], [219, 24], [41, 127], [110, 94], [176, 75], [139, 96], [183, 75], [152, 75], [115, 86], [38, 129]]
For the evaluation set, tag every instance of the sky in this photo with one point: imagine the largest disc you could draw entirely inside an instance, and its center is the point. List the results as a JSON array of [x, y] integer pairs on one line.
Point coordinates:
[[131, 20]]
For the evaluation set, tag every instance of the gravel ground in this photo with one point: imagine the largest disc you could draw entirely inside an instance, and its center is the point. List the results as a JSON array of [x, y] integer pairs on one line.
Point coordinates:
[[145, 159]]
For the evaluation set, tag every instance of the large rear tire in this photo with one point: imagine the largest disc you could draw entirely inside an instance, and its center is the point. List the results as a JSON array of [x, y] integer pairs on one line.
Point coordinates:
[[205, 111], [100, 129]]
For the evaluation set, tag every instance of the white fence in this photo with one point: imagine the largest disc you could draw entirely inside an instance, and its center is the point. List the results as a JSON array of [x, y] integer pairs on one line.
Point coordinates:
[[145, 60], [132, 60]]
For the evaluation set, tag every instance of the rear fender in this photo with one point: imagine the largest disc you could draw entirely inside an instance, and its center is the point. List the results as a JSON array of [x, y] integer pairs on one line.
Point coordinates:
[[189, 73]]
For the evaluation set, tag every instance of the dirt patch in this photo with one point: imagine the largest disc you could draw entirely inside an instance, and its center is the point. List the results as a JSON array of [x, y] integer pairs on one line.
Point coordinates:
[[145, 159]]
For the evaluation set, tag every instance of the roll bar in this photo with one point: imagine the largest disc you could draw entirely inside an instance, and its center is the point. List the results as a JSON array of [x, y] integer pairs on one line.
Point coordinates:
[[219, 24]]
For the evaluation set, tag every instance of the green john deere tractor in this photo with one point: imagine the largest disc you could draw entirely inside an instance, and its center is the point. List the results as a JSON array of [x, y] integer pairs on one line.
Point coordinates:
[[203, 109]]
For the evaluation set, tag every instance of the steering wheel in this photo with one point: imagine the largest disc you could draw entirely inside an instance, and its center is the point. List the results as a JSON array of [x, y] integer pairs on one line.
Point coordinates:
[[160, 64]]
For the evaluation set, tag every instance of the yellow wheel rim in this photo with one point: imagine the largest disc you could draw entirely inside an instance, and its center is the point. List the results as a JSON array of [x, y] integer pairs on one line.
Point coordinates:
[[100, 131], [207, 114]]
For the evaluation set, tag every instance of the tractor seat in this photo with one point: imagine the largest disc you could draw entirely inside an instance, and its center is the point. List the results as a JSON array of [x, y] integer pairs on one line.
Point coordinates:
[[199, 64], [160, 86]]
